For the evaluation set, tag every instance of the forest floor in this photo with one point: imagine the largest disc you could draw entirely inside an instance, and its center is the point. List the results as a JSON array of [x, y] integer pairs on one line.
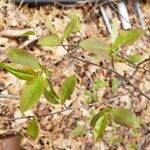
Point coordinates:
[[71, 129]]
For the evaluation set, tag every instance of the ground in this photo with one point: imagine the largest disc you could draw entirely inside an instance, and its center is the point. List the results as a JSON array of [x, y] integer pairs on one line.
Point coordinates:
[[71, 129]]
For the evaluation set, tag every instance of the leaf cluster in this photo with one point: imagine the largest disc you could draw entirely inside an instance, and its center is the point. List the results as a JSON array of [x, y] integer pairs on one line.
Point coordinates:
[[25, 67]]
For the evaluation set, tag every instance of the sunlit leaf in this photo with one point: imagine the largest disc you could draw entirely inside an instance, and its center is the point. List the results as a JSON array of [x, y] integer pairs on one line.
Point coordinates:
[[51, 40], [100, 126], [50, 94], [124, 117], [33, 129], [114, 84], [77, 22], [49, 25], [128, 37], [23, 57], [31, 93], [28, 33], [20, 71], [134, 59], [67, 87], [102, 112], [71, 26], [96, 46]]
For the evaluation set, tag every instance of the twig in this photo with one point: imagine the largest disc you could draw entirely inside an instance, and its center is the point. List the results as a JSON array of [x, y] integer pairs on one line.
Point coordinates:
[[145, 60], [116, 73], [138, 66], [71, 109], [133, 65], [12, 33], [9, 96], [96, 6], [112, 71]]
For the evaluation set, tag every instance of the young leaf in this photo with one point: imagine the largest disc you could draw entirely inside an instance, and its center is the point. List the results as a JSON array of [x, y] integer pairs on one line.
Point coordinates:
[[96, 46], [20, 71], [113, 141], [31, 93], [50, 94], [50, 26], [99, 83], [100, 126], [91, 95], [52, 40], [67, 87], [128, 37], [124, 117], [77, 21], [134, 59], [33, 129], [28, 33], [69, 28], [78, 130], [102, 112], [23, 57], [115, 83]]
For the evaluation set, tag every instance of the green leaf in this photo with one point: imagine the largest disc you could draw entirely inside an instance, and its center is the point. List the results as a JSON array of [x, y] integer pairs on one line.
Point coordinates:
[[77, 22], [128, 37], [100, 126], [113, 141], [92, 96], [102, 112], [52, 40], [99, 83], [23, 57], [33, 129], [134, 59], [20, 71], [78, 130], [67, 87], [96, 46], [114, 83], [28, 33], [50, 94], [31, 93], [124, 117], [49, 25], [70, 28]]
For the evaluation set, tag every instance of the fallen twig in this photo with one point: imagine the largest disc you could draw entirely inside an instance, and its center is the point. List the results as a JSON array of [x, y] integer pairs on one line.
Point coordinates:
[[9, 96], [13, 33]]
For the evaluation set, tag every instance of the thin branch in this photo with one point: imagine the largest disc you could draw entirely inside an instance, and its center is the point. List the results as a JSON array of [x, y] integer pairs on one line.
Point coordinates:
[[116, 73], [112, 71], [9, 96], [71, 109], [145, 60], [133, 65], [13, 33]]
